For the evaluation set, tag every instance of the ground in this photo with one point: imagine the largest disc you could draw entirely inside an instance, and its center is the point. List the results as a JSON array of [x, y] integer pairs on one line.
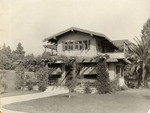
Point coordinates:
[[130, 101]]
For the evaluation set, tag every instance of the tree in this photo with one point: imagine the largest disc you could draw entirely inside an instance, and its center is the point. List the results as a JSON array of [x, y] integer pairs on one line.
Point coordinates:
[[20, 52], [4, 48], [146, 30], [70, 76], [140, 54], [42, 78], [5, 62], [20, 76], [29, 57], [9, 52], [141, 57], [5, 58]]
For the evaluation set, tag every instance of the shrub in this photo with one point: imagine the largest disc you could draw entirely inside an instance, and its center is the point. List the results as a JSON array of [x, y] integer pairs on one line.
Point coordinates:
[[124, 87], [29, 85], [20, 76], [42, 78], [87, 89], [114, 85], [30, 81], [3, 84]]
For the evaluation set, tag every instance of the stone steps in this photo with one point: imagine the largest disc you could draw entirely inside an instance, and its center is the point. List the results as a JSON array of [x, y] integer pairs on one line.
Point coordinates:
[[81, 89], [62, 89]]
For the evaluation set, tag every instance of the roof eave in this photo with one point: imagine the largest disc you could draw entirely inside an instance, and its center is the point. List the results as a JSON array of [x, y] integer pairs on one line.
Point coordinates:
[[80, 30]]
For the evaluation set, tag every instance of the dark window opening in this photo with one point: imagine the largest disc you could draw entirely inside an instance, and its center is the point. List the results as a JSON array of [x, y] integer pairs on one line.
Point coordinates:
[[92, 76], [66, 45], [80, 45], [53, 79], [71, 45], [85, 44], [77, 45]]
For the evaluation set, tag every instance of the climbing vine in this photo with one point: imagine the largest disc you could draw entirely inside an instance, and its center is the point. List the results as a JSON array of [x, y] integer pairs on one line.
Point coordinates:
[[103, 83]]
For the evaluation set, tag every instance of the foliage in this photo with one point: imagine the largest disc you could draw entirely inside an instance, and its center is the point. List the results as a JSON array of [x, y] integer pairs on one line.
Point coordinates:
[[87, 89], [5, 62], [103, 83], [114, 85], [6, 58], [71, 82], [30, 80], [42, 78], [46, 55], [141, 57], [146, 30], [19, 52], [124, 87], [20, 76], [29, 84], [3, 83]]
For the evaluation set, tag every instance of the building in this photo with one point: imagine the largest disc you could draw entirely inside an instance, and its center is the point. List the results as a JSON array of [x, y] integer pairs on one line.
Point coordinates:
[[84, 45]]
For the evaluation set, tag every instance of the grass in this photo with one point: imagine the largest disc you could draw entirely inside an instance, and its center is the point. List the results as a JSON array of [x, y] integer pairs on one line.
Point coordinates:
[[11, 78], [17, 92], [131, 101]]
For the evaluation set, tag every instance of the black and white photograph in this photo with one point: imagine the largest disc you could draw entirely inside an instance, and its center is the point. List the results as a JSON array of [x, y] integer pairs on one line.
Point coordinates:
[[74, 56]]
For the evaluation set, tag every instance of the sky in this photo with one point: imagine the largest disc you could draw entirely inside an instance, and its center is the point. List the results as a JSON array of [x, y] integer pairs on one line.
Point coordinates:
[[30, 21]]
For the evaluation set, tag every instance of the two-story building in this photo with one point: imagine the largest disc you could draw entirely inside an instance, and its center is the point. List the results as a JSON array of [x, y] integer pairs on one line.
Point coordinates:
[[85, 45]]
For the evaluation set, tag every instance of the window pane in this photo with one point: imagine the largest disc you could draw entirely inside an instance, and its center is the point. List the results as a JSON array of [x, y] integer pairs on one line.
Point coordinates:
[[89, 44], [85, 44], [80, 45], [71, 45], [76, 45], [65, 45]]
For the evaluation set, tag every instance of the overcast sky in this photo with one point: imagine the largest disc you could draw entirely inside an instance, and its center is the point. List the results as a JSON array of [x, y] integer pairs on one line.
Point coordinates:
[[30, 21]]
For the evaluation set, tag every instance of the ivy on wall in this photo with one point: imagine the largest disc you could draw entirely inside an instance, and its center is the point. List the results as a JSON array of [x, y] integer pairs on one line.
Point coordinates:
[[103, 83]]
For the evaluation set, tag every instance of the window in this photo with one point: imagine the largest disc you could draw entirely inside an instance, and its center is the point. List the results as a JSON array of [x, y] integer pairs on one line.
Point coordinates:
[[85, 44], [71, 45], [80, 45], [66, 46], [89, 44], [76, 45]]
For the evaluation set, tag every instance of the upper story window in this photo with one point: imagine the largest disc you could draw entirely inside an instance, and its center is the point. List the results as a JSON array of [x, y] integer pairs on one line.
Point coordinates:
[[76, 45]]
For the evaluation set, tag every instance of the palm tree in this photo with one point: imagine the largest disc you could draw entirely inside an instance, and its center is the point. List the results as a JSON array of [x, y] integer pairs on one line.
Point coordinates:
[[141, 56]]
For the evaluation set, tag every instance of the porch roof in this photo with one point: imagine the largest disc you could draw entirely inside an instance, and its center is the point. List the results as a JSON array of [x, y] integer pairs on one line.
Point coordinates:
[[82, 60]]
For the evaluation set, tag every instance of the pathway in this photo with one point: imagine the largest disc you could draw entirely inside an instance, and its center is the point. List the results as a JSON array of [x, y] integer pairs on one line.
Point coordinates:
[[21, 98]]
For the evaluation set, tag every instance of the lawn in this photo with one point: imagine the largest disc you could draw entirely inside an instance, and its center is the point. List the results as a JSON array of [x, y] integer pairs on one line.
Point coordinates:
[[11, 78], [131, 101], [17, 92]]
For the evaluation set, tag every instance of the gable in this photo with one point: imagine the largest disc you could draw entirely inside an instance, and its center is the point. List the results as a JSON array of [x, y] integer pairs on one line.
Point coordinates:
[[56, 37]]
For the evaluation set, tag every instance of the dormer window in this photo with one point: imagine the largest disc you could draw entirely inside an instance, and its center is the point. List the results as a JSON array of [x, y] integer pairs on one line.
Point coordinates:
[[71, 46], [66, 46], [80, 45], [76, 45]]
